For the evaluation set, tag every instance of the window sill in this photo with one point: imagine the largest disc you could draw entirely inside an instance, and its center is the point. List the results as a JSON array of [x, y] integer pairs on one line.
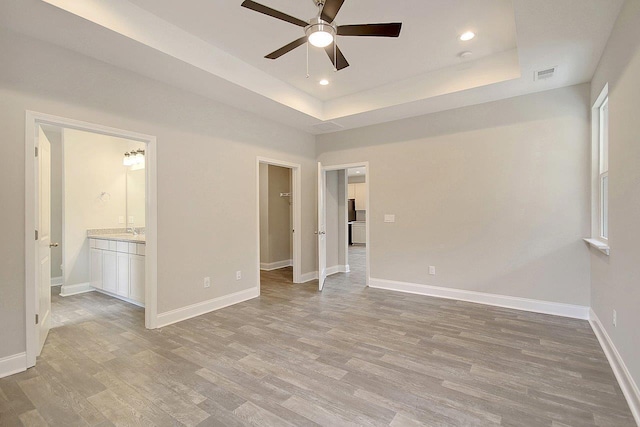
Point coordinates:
[[599, 245]]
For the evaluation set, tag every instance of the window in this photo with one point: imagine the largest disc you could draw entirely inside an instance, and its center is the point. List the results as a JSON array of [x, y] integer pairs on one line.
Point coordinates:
[[603, 157]]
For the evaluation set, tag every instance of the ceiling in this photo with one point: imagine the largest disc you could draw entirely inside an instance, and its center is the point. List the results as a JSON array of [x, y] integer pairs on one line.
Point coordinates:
[[428, 42], [216, 48]]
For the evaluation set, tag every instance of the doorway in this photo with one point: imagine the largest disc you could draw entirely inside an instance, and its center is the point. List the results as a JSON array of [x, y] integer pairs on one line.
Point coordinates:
[[42, 235], [278, 219], [343, 226]]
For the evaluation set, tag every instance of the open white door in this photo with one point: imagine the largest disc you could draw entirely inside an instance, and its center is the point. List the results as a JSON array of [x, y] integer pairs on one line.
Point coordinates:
[[43, 276], [322, 221]]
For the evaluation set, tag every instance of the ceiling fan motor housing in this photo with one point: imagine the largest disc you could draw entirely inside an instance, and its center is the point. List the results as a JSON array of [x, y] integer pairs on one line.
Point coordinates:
[[317, 25]]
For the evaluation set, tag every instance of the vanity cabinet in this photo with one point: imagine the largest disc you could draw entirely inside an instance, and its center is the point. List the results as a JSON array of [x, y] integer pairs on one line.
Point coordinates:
[[118, 269], [96, 268]]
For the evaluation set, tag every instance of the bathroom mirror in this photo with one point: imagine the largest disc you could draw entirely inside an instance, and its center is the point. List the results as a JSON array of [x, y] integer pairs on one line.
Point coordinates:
[[136, 179]]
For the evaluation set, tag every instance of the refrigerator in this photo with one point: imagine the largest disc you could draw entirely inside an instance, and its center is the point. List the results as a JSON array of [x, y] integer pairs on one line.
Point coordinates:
[[351, 206]]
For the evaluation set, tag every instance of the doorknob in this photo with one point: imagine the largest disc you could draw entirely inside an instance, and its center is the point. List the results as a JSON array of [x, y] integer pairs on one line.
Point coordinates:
[[53, 245]]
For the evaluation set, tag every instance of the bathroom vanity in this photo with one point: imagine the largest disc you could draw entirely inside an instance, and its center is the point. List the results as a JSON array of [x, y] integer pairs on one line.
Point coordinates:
[[118, 265]]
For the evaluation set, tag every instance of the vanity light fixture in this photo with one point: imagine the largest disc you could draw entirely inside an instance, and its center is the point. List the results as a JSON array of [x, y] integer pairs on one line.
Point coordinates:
[[134, 157]]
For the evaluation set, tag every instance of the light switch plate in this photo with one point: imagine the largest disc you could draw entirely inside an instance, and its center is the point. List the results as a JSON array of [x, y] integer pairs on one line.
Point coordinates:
[[121, 219], [432, 270], [389, 218]]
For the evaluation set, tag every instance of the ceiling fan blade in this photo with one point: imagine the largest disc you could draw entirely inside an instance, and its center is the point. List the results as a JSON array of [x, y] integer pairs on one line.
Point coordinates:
[[331, 9], [371, 30], [342, 61], [286, 49], [273, 13]]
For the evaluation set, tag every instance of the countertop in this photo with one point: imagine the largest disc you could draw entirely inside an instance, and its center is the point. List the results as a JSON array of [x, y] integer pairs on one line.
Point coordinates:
[[357, 222], [123, 237]]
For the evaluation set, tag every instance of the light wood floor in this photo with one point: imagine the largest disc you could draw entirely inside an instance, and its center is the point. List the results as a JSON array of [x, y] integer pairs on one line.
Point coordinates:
[[347, 356]]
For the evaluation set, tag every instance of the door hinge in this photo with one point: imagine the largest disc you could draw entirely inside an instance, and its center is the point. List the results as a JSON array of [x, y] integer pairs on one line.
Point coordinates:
[[36, 151], [37, 319], [36, 234]]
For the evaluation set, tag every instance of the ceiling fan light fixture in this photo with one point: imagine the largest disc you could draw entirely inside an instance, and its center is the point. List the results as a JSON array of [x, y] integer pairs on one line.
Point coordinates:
[[320, 34]]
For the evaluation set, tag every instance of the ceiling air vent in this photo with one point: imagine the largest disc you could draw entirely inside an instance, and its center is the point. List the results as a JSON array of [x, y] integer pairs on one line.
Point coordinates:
[[545, 74], [327, 127]]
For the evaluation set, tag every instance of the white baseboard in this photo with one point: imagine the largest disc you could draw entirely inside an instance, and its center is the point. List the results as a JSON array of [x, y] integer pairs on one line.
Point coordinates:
[[56, 281], [275, 265], [13, 364], [525, 304], [120, 297], [627, 384], [337, 269], [308, 277], [184, 313], [78, 288]]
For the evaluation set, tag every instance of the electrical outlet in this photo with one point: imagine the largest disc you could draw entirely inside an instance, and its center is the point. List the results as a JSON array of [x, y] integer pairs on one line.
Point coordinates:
[[238, 275], [121, 219], [615, 318], [432, 270], [207, 282]]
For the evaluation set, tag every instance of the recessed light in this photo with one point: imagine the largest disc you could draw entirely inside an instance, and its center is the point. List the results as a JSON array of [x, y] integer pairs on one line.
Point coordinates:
[[324, 82], [469, 35], [466, 55]]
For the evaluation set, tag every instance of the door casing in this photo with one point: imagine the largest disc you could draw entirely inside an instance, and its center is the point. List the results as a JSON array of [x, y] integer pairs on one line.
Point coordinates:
[[32, 120]]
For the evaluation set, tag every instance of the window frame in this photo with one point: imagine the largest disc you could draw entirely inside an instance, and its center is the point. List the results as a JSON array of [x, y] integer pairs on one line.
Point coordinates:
[[600, 169]]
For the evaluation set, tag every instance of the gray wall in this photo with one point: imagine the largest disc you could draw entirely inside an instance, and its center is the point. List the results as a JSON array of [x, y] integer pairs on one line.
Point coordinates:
[[615, 279], [276, 221], [496, 196], [207, 151], [280, 229], [263, 169]]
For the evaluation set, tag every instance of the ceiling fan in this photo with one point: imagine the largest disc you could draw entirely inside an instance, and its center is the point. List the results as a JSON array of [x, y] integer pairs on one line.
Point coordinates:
[[321, 32]]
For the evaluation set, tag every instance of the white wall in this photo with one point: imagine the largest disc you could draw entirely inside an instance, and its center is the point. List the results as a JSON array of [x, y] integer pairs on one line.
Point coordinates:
[[615, 279], [496, 196], [207, 151], [92, 166]]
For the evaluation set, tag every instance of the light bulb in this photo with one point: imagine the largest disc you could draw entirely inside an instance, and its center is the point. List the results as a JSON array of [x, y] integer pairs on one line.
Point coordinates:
[[321, 38]]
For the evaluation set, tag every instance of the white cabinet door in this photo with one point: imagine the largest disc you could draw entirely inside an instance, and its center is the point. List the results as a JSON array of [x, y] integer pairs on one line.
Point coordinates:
[[361, 196], [359, 233], [123, 274], [109, 271], [136, 278], [352, 191], [96, 268]]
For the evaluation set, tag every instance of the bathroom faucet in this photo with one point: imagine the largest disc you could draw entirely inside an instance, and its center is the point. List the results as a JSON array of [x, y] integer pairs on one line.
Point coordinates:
[[133, 231]]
